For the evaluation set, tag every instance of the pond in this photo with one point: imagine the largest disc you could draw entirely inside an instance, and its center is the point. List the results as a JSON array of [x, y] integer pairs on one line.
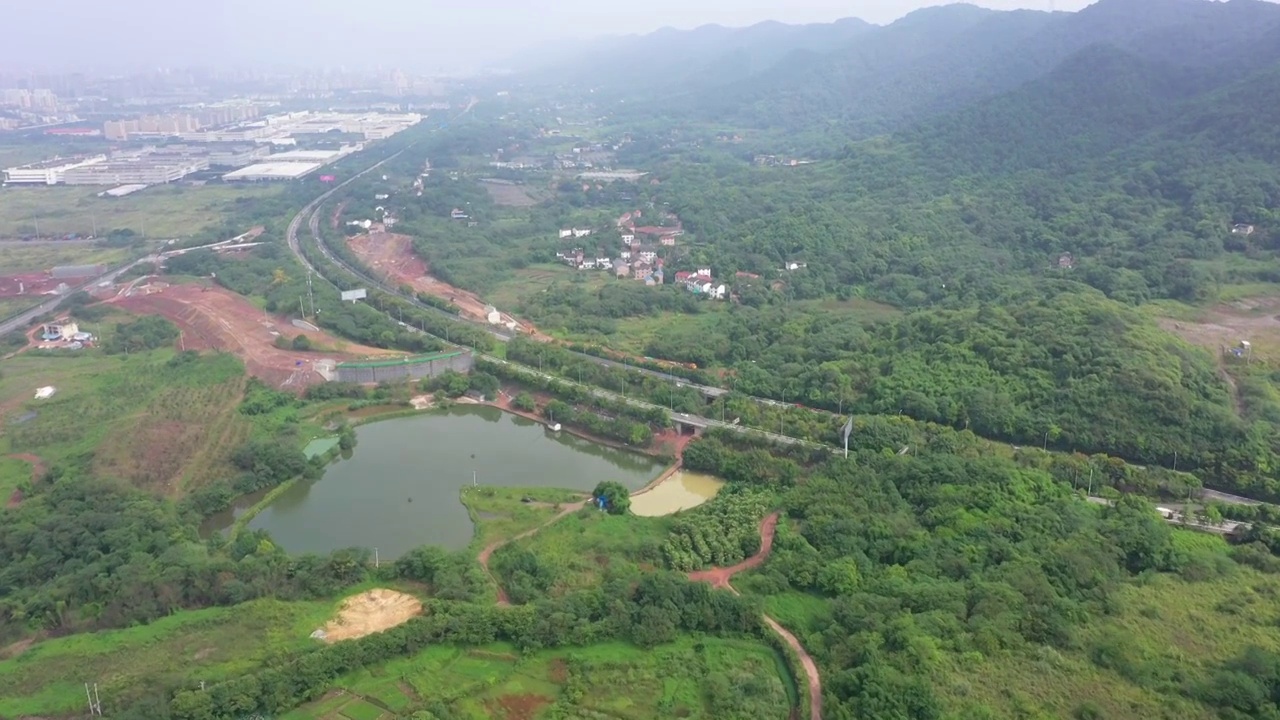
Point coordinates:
[[400, 489], [681, 491]]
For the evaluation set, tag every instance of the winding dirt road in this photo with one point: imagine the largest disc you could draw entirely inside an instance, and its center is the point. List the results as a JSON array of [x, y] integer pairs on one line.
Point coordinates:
[[720, 577]]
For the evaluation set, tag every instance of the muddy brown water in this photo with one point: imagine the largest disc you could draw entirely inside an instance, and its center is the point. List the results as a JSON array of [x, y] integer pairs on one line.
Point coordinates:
[[681, 491]]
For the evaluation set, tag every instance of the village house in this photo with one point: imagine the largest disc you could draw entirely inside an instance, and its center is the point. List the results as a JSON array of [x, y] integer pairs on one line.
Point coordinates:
[[565, 233], [621, 268], [796, 265], [625, 254], [1242, 229], [701, 282], [458, 214], [667, 240], [648, 256], [628, 239], [1066, 262]]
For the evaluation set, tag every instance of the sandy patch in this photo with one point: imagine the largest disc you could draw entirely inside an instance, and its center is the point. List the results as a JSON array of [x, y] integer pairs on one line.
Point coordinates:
[[368, 613], [422, 402]]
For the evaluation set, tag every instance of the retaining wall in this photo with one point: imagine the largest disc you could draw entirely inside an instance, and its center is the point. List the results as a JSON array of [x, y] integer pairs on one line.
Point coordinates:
[[409, 368]]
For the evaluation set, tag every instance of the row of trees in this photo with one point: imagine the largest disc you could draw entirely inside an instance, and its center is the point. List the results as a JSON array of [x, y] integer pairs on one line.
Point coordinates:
[[649, 612]]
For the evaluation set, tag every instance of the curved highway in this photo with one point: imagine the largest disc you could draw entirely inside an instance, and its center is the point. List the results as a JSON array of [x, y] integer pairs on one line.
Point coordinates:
[[311, 212]]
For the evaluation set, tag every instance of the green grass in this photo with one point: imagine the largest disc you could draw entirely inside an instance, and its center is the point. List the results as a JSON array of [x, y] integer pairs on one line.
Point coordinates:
[[686, 678], [13, 472], [582, 546], [14, 305], [519, 284], [164, 212], [1163, 621], [500, 513], [36, 257], [210, 645], [198, 645], [867, 311], [98, 395]]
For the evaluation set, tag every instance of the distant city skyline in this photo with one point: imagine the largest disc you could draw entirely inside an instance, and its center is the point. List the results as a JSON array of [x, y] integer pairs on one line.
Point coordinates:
[[71, 35]]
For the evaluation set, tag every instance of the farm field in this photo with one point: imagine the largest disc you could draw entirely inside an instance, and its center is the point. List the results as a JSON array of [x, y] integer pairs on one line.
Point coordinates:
[[519, 284], [141, 418], [17, 258], [691, 678], [209, 645], [157, 212], [511, 195]]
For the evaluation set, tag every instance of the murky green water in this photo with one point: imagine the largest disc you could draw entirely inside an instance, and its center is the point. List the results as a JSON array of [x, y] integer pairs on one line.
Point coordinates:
[[681, 491], [400, 489]]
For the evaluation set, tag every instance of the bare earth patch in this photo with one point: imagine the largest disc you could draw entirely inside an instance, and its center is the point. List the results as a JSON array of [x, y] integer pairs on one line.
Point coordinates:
[[1223, 326], [371, 612], [518, 707], [391, 255]]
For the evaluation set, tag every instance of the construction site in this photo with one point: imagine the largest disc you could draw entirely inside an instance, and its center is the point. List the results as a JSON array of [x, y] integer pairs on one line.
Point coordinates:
[[212, 318], [391, 256]]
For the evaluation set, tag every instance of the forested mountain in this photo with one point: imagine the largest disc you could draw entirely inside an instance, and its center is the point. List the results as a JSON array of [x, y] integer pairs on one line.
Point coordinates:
[[868, 79], [707, 55]]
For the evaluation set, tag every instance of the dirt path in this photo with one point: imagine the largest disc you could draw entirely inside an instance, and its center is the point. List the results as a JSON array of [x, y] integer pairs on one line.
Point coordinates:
[[488, 551], [720, 577], [810, 667]]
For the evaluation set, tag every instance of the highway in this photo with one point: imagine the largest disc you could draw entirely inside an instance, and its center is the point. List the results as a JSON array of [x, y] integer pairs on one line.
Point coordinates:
[[311, 213], [1177, 517], [24, 319]]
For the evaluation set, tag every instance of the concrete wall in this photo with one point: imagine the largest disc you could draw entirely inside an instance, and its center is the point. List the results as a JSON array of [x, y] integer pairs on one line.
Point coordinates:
[[391, 373]]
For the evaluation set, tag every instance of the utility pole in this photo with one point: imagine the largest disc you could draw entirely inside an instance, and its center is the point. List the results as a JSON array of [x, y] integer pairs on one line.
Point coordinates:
[[311, 295], [302, 308], [376, 562]]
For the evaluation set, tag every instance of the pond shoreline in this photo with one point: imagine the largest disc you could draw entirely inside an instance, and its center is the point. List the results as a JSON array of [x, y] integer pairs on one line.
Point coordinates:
[[397, 411], [645, 470]]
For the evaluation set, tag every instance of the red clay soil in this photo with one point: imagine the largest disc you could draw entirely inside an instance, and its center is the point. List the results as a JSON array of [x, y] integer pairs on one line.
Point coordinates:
[[212, 318], [719, 577], [518, 707], [391, 255], [486, 553]]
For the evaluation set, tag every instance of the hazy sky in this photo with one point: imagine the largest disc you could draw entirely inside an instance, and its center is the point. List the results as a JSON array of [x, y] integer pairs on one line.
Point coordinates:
[[414, 34]]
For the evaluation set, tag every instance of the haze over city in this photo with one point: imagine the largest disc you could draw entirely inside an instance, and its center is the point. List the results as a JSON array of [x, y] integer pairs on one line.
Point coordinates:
[[79, 34]]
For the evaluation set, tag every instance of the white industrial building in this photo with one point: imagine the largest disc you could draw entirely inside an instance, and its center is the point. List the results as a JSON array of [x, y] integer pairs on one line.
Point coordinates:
[[274, 171], [135, 171], [48, 172]]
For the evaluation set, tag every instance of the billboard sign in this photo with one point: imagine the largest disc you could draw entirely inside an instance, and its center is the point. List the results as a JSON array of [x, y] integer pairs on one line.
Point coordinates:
[[354, 295], [328, 178]]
